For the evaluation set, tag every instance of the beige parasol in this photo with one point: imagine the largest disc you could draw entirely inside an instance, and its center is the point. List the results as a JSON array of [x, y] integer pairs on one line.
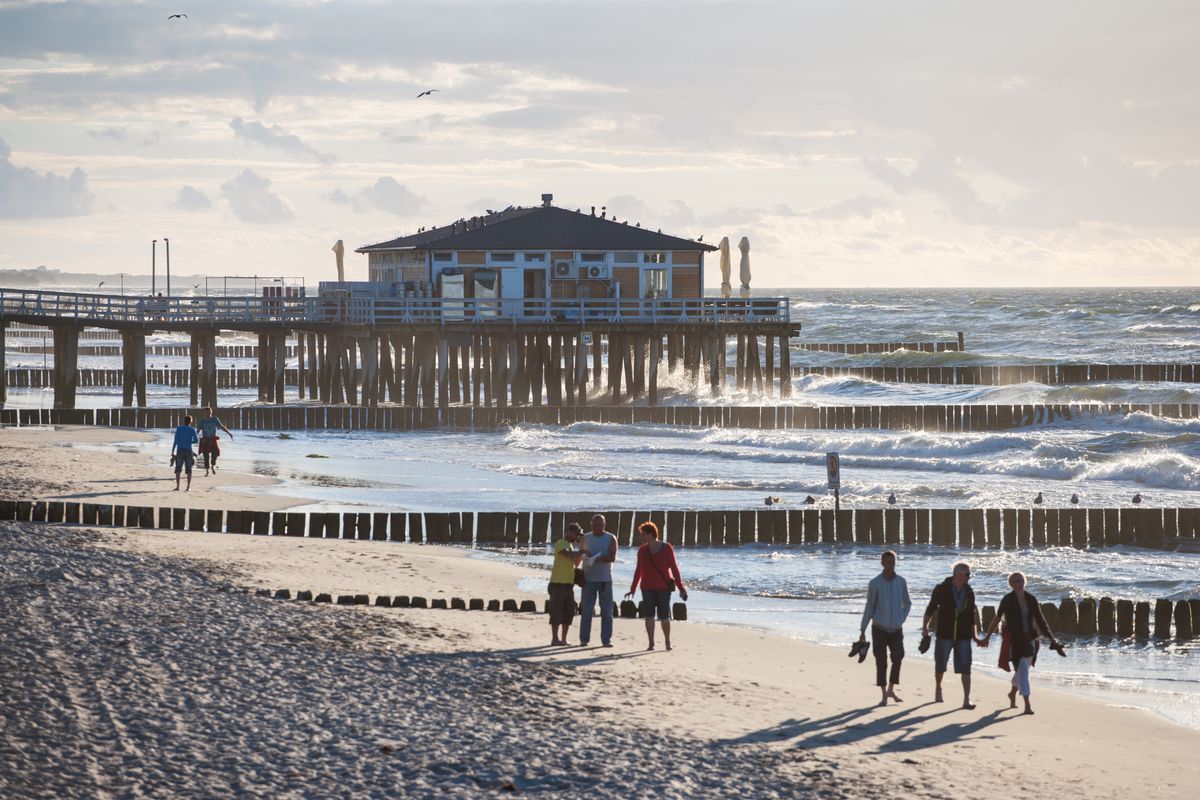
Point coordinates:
[[726, 267], [744, 267], [339, 250]]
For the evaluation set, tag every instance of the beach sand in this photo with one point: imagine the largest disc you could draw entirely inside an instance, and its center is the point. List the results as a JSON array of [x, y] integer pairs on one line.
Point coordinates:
[[142, 663]]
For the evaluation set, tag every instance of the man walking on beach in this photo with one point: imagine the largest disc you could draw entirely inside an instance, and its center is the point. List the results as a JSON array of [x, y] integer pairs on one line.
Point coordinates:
[[887, 607], [181, 451], [209, 448], [600, 550], [562, 584], [952, 607]]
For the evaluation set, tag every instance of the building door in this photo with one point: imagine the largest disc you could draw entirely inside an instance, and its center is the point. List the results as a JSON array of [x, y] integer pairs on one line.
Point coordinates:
[[512, 293], [535, 283]]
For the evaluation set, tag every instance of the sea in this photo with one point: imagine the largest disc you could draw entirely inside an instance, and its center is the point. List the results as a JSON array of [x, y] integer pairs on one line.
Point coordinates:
[[815, 592]]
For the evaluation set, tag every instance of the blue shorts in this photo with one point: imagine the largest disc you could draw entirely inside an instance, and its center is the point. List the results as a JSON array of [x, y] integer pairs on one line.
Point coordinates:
[[658, 601], [962, 655]]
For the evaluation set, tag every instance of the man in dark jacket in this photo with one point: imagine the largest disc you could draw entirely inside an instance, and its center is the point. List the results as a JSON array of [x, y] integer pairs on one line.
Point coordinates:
[[952, 609]]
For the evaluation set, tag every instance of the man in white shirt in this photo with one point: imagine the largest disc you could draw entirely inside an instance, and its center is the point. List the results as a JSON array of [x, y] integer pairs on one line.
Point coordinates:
[[887, 607]]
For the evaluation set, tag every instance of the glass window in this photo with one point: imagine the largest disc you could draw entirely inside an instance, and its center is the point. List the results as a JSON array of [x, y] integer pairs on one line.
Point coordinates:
[[656, 283], [540, 257], [592, 258], [625, 258], [443, 257], [655, 258], [504, 256]]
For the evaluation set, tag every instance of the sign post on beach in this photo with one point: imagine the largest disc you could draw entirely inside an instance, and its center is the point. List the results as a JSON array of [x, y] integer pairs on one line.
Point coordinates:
[[833, 471]]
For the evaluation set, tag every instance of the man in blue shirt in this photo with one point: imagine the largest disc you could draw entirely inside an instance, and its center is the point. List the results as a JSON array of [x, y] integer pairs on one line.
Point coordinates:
[[887, 607], [181, 451]]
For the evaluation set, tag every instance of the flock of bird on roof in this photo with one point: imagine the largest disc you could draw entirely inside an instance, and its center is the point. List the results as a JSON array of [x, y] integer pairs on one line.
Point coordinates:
[[425, 93]]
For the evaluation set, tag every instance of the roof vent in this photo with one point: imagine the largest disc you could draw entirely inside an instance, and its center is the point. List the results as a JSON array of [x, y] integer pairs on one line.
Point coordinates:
[[546, 199]]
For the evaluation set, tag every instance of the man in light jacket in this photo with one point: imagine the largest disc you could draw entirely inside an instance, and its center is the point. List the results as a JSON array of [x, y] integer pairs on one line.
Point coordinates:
[[887, 607]]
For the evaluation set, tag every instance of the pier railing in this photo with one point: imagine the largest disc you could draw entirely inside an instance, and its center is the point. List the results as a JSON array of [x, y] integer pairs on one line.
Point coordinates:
[[98, 309]]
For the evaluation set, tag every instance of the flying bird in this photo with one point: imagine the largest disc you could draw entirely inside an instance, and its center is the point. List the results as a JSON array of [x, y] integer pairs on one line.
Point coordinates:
[[178, 16], [101, 284], [427, 92], [195, 286]]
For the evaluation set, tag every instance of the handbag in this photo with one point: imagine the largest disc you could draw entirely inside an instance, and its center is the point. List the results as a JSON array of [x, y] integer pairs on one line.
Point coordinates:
[[580, 579], [658, 569]]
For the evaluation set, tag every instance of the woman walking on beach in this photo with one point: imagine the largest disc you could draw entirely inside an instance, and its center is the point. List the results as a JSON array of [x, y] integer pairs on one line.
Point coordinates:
[[658, 573], [1024, 623]]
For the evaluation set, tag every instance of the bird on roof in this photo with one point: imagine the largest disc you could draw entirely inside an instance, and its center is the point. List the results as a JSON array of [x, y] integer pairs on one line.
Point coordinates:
[[426, 93], [1037, 501], [177, 16], [700, 238], [1074, 499], [1137, 498]]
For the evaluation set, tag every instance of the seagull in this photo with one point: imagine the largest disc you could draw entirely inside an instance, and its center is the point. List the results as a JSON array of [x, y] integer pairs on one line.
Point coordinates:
[[1037, 501], [771, 501], [1074, 499], [1137, 498], [177, 16], [427, 92], [197, 286], [892, 499], [809, 500], [101, 284]]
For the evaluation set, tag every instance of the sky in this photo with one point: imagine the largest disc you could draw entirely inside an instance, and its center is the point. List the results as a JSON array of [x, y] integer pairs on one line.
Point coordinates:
[[854, 143]]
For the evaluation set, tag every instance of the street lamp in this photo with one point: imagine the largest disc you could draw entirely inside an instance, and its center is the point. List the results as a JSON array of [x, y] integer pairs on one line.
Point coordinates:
[[153, 257], [167, 242]]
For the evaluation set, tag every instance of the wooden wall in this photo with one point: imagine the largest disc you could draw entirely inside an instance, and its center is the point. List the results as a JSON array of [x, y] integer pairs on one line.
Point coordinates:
[[685, 281]]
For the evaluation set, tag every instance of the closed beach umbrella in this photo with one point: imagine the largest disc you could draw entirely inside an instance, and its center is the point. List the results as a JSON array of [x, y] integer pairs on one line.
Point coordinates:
[[744, 267], [726, 267], [339, 250]]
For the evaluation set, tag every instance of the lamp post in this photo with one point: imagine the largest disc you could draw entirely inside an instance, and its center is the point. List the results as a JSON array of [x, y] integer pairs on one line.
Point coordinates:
[[153, 257], [167, 243]]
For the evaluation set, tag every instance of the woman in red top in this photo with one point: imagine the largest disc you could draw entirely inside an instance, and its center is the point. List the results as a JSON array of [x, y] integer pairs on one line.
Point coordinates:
[[658, 574]]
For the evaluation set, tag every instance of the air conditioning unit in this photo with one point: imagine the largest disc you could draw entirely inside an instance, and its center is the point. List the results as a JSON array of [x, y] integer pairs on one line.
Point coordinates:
[[593, 272], [562, 269]]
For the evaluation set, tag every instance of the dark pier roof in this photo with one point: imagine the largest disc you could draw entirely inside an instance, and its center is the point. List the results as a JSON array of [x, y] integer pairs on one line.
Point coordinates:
[[539, 228]]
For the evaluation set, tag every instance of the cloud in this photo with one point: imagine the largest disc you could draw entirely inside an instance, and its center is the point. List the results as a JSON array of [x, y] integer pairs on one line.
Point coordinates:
[[541, 116], [109, 134], [191, 199], [25, 194], [275, 138], [250, 199], [857, 206], [386, 194]]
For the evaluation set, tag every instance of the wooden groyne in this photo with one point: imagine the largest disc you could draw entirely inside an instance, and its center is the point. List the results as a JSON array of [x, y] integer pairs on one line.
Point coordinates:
[[862, 348], [940, 418], [961, 528]]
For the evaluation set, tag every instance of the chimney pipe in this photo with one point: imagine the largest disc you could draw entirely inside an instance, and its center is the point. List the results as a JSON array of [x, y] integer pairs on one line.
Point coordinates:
[[593, 211], [546, 198]]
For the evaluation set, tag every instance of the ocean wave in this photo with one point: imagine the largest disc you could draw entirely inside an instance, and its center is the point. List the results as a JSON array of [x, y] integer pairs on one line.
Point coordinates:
[[1159, 327]]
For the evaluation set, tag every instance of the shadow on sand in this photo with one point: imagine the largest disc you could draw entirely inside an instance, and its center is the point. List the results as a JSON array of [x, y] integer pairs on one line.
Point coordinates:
[[903, 730]]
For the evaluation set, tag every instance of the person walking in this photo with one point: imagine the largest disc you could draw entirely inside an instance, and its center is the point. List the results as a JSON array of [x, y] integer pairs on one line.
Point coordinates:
[[658, 573], [886, 610], [952, 609], [1024, 625], [181, 451], [209, 448], [600, 551], [562, 584]]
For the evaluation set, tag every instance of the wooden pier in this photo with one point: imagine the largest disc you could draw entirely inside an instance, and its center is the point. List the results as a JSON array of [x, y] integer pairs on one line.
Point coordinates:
[[431, 352]]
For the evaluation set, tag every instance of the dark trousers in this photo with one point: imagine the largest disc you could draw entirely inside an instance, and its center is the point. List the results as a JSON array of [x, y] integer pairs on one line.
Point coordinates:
[[881, 643]]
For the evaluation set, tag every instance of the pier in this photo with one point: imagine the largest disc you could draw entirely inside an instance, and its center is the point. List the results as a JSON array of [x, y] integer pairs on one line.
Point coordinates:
[[429, 352]]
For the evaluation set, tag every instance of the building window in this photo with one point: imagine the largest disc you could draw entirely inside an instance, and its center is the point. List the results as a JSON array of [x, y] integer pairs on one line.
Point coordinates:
[[538, 257], [655, 258], [592, 258], [656, 283], [443, 258], [625, 257], [504, 256]]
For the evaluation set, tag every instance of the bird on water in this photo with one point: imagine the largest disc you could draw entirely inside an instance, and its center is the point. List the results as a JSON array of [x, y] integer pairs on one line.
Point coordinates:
[[1137, 498], [1037, 501], [809, 500], [892, 499], [1074, 499]]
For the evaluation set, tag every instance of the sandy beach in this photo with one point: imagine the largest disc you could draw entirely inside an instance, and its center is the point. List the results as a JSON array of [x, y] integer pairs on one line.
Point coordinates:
[[145, 664]]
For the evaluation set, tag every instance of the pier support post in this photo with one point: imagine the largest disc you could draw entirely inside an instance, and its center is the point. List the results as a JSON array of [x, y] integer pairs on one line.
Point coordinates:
[[66, 365], [3, 369], [581, 366], [770, 354], [314, 367], [785, 367], [655, 357], [369, 348], [133, 368], [443, 372], [300, 366]]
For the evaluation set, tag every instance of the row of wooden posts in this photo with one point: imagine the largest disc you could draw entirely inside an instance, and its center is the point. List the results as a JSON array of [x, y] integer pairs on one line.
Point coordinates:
[[944, 418], [1046, 374], [626, 609], [860, 348], [963, 528], [1084, 617]]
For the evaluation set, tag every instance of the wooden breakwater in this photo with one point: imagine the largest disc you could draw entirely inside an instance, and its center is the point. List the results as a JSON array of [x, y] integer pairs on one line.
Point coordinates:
[[938, 418], [1077, 616], [862, 348], [962, 528], [1046, 374]]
